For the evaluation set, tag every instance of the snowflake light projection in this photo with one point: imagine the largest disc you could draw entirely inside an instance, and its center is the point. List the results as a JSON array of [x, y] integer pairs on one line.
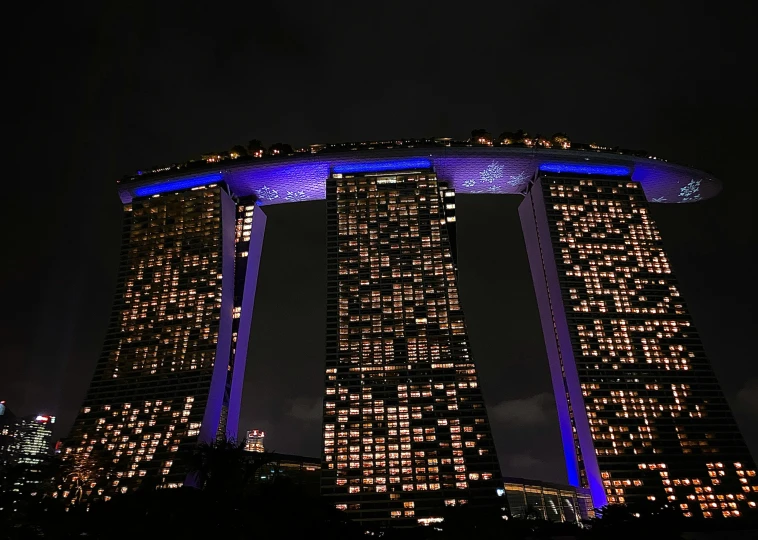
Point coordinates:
[[518, 180], [282, 180], [494, 189], [690, 192], [268, 194], [295, 196], [494, 171]]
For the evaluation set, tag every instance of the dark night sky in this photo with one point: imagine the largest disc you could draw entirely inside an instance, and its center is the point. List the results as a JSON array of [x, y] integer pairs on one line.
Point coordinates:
[[92, 95]]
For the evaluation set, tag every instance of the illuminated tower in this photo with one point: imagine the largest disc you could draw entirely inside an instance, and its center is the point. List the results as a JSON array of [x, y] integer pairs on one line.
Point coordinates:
[[173, 360], [405, 427], [7, 429], [24, 440], [32, 438], [642, 415], [254, 441]]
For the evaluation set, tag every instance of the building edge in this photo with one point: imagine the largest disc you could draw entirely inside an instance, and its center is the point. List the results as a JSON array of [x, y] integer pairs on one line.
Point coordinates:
[[246, 320], [555, 330], [214, 411]]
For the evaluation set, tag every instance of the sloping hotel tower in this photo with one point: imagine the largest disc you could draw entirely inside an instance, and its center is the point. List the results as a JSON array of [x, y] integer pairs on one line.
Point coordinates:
[[173, 360], [642, 415]]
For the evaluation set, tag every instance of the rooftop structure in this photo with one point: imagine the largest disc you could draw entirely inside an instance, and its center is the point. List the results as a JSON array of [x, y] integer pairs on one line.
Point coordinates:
[[499, 170]]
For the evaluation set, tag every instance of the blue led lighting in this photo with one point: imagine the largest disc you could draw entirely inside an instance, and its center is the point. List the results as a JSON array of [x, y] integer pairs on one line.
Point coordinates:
[[581, 168], [379, 166], [177, 185]]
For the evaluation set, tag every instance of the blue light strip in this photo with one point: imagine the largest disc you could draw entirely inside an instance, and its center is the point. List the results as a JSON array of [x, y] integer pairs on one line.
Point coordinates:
[[379, 166], [580, 168], [177, 185]]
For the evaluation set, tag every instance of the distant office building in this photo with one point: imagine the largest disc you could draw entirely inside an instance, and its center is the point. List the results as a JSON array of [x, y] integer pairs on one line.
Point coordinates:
[[172, 365], [7, 423], [406, 432], [24, 440], [534, 499], [25, 445], [254, 441], [32, 437], [642, 414]]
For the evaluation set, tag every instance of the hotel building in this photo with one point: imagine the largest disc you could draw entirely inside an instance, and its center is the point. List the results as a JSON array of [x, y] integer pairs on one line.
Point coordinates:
[[642, 414], [170, 374], [406, 431]]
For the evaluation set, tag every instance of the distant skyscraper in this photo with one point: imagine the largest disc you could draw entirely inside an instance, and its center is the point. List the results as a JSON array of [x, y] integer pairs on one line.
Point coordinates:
[[172, 365], [24, 440], [32, 436], [406, 432], [642, 414], [7, 421], [254, 441], [24, 445]]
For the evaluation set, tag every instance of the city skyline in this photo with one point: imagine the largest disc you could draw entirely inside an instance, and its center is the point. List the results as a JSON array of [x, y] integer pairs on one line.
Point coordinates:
[[107, 120]]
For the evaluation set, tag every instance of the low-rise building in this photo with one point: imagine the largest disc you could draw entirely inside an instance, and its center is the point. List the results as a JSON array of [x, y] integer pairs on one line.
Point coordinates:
[[534, 499]]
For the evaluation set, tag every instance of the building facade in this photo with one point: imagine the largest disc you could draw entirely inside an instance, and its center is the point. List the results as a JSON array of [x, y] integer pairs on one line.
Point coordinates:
[[533, 499], [32, 439], [254, 441], [7, 422], [25, 440], [406, 431], [170, 374], [642, 415], [25, 448]]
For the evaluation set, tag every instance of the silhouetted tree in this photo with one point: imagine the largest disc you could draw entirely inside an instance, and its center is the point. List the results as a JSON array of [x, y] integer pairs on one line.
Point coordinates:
[[637, 518], [532, 512], [560, 140], [476, 522], [520, 136], [507, 137], [255, 148], [238, 150], [218, 466], [79, 477], [481, 136], [223, 468], [280, 149]]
